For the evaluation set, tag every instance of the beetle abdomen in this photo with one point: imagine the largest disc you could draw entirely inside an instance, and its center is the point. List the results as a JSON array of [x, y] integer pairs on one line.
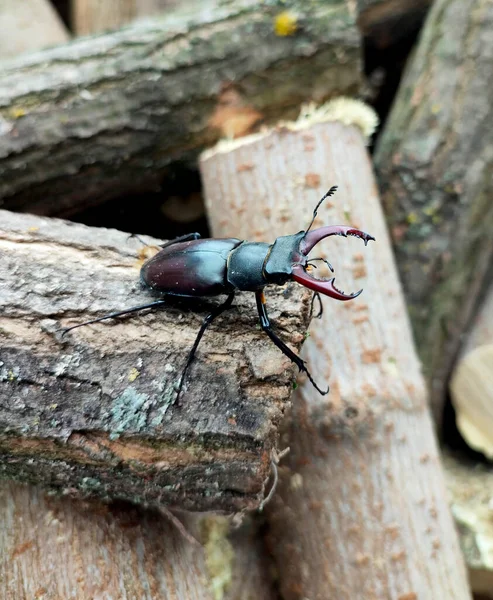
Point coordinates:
[[195, 268]]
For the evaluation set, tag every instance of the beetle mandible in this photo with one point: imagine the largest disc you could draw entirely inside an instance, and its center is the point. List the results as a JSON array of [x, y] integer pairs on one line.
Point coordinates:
[[192, 267]]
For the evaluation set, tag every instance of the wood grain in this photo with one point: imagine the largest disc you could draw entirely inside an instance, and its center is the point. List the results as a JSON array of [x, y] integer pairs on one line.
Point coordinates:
[[361, 510]]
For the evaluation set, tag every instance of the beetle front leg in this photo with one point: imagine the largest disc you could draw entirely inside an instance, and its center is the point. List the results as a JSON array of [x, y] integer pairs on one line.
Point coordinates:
[[266, 326], [206, 322]]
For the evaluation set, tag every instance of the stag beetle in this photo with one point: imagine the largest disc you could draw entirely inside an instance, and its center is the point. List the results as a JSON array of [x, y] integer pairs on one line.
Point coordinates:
[[192, 267]]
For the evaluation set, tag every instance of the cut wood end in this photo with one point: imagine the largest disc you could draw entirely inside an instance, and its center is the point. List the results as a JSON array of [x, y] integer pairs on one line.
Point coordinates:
[[471, 389], [344, 110]]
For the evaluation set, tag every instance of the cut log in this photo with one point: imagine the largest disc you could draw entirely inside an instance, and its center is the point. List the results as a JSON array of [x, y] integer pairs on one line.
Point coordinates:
[[471, 384], [88, 121], [27, 26], [434, 160], [387, 22], [361, 509], [61, 548], [92, 16], [92, 413], [470, 489]]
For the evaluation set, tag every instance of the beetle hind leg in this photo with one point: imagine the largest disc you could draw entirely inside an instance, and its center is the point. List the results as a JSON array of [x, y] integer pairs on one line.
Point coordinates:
[[267, 327], [205, 323]]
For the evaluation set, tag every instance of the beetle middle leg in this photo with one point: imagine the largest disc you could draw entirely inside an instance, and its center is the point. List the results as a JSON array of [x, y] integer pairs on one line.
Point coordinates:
[[266, 326], [206, 322]]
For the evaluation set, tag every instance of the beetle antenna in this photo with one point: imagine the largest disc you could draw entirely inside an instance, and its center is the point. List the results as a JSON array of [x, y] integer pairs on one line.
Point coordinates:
[[116, 314], [331, 192]]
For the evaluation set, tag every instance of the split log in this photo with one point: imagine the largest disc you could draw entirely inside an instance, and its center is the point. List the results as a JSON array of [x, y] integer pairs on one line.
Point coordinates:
[[471, 385], [27, 26], [61, 548], [361, 509], [387, 22], [105, 115], [470, 489], [92, 16], [92, 413], [434, 160]]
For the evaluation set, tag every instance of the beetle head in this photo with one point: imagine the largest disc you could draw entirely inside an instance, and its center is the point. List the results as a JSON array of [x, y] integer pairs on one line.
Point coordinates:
[[307, 243]]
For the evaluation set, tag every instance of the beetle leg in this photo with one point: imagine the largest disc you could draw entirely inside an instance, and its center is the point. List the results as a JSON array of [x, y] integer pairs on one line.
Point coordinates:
[[206, 322], [316, 295], [266, 326], [183, 238], [116, 314]]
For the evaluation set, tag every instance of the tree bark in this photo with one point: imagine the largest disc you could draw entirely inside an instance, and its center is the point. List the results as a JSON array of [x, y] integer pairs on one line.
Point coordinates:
[[92, 16], [106, 115], [92, 413], [61, 548], [434, 161], [28, 26], [361, 510]]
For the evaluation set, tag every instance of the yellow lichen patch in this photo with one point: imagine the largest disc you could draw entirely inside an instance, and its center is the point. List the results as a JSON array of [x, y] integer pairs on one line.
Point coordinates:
[[16, 113], [286, 23], [219, 554], [133, 374]]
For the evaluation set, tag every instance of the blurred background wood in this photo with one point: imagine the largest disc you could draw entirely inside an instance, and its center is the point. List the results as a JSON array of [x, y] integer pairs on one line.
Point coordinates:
[[361, 510], [434, 161], [109, 115], [470, 487], [27, 26], [92, 413], [471, 385], [60, 548], [93, 16]]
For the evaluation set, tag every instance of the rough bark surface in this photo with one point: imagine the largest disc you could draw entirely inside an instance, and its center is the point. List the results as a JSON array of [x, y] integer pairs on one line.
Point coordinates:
[[434, 162], [56, 548], [361, 511], [105, 115], [28, 26], [92, 413], [386, 22]]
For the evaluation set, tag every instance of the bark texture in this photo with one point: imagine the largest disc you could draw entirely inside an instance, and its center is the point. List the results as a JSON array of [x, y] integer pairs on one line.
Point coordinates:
[[434, 162], [92, 413], [28, 26], [361, 510], [106, 115], [60, 548]]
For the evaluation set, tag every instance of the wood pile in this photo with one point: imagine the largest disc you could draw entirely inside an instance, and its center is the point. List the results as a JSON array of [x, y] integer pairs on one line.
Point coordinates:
[[165, 117]]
